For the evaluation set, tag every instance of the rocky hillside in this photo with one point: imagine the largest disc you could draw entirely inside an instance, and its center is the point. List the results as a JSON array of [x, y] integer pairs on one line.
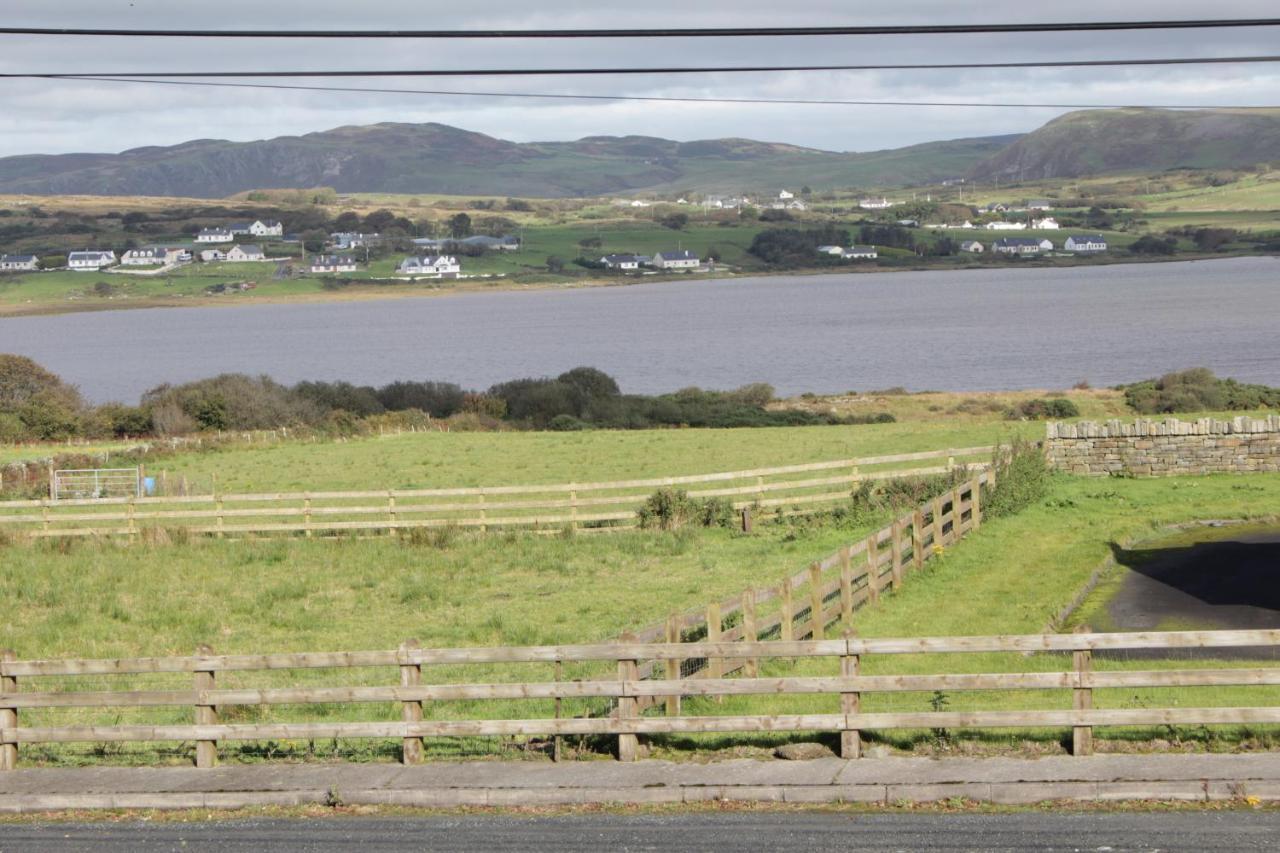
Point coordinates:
[[1137, 140], [436, 158]]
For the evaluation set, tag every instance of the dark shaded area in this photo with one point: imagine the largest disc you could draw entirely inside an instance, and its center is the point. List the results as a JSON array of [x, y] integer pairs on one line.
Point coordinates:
[[1229, 584]]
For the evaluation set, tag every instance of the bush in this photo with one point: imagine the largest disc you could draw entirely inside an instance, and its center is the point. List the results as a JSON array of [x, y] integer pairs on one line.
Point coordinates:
[[672, 509], [567, 423], [1197, 390], [1040, 408], [1022, 478], [1153, 245]]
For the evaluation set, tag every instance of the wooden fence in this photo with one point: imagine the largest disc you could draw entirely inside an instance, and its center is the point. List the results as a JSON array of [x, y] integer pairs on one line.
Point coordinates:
[[833, 587], [601, 505], [411, 685]]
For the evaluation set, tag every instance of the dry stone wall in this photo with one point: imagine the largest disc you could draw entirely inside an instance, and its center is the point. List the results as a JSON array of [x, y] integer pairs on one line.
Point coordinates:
[[1150, 448]]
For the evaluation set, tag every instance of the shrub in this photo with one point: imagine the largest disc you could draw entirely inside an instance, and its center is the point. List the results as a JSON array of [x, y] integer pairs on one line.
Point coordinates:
[[567, 423], [1040, 408], [1197, 390], [673, 509], [1022, 478]]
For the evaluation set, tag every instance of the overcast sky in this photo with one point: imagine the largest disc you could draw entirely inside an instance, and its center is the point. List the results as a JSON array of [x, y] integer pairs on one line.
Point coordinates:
[[60, 116]]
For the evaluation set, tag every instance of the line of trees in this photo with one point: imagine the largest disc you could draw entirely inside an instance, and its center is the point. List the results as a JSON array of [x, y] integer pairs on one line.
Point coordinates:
[[35, 404]]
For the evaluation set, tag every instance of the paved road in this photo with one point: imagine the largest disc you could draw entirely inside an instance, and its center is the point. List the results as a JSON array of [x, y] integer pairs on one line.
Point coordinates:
[[762, 831]]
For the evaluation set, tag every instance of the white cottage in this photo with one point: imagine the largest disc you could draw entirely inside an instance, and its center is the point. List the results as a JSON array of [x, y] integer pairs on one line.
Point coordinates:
[[246, 252], [442, 266], [682, 259], [90, 261], [333, 263], [1085, 243], [1021, 246], [621, 262], [12, 263], [215, 235]]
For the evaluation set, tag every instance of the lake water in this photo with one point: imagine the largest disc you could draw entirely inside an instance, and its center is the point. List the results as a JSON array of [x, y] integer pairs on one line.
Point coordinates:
[[947, 330]]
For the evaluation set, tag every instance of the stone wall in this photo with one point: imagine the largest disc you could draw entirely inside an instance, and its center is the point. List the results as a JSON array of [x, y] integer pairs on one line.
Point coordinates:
[[1149, 448]]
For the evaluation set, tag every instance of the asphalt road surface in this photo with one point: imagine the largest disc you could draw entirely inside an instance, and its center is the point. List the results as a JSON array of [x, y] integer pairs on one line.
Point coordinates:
[[764, 831]]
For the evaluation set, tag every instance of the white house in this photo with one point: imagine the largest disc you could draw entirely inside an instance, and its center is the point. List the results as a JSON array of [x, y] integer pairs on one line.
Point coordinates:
[[973, 247], [863, 252], [246, 252], [266, 228], [1021, 246], [18, 262], [239, 229], [215, 235], [150, 255], [333, 263], [621, 262], [682, 259], [1039, 204], [1046, 224], [444, 266], [1001, 225], [874, 203], [797, 204], [996, 207], [831, 250], [352, 240], [90, 261], [207, 255], [784, 195], [1085, 243]]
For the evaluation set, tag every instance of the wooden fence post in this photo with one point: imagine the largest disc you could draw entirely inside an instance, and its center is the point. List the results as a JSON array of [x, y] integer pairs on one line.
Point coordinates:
[[411, 711], [573, 507], [815, 600], [206, 714], [746, 519], [850, 702], [628, 673], [715, 665], [975, 502], [937, 522], [895, 546], [917, 539], [787, 610], [956, 514], [1082, 698], [749, 635], [557, 742], [8, 715], [873, 568], [673, 665], [306, 514], [846, 588]]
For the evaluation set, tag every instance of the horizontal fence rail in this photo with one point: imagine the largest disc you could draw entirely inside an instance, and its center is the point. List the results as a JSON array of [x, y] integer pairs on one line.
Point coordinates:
[[616, 679], [586, 506]]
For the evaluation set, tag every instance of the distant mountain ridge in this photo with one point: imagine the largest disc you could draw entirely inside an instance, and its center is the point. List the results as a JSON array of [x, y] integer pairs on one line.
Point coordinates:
[[437, 158], [1090, 142]]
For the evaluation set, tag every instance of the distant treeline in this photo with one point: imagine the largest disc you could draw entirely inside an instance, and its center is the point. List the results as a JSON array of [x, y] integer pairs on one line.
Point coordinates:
[[36, 404]]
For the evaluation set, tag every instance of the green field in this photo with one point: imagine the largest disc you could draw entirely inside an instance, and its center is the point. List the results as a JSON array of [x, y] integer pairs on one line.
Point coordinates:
[[103, 600]]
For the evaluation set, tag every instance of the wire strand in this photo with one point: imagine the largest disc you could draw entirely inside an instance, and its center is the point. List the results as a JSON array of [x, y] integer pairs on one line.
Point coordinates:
[[639, 33]]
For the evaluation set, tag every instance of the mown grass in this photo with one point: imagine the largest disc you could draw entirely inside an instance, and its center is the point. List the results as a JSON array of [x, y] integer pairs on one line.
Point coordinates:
[[104, 600]]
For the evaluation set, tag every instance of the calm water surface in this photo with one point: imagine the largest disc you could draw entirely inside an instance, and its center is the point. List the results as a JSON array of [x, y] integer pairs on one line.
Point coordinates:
[[948, 330]]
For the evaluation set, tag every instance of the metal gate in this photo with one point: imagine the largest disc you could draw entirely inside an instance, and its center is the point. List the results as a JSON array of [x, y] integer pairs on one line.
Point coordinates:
[[89, 483]]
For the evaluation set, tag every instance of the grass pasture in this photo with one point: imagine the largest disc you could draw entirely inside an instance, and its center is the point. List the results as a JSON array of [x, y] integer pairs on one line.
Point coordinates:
[[102, 600]]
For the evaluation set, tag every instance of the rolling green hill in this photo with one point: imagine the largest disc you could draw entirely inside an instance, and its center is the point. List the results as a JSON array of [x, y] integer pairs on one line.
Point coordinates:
[[1090, 142], [436, 158]]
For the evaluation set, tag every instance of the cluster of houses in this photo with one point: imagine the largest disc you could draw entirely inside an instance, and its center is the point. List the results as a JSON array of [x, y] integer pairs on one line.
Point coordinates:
[[1084, 244], [228, 234], [680, 259]]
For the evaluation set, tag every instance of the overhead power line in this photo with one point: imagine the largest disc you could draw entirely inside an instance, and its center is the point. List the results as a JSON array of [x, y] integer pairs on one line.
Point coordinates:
[[717, 69], [640, 33], [669, 98]]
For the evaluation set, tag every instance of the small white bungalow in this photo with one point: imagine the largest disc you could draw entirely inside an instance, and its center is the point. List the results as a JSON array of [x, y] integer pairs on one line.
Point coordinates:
[[442, 266], [785, 194], [266, 228], [831, 250], [1002, 225], [683, 259], [1085, 243], [246, 252], [874, 203], [973, 247], [90, 261], [1021, 246], [215, 235], [1046, 224], [150, 256], [208, 255], [621, 262], [860, 253], [12, 263]]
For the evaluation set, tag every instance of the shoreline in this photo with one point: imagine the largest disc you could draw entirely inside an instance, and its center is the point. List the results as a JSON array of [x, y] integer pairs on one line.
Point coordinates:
[[380, 292]]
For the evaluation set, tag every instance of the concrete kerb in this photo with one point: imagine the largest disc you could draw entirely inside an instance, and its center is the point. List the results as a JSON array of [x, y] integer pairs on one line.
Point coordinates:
[[1185, 777]]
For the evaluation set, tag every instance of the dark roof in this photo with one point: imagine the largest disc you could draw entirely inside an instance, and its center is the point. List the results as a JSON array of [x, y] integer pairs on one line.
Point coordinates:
[[680, 255], [620, 259], [250, 248], [332, 260], [1087, 238], [1018, 241], [17, 258]]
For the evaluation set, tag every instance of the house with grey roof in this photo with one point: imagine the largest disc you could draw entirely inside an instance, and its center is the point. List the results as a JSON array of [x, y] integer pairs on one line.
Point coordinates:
[[440, 266], [681, 259], [14, 263], [1085, 243], [90, 260], [246, 252], [1021, 246], [215, 235], [621, 262], [333, 263]]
